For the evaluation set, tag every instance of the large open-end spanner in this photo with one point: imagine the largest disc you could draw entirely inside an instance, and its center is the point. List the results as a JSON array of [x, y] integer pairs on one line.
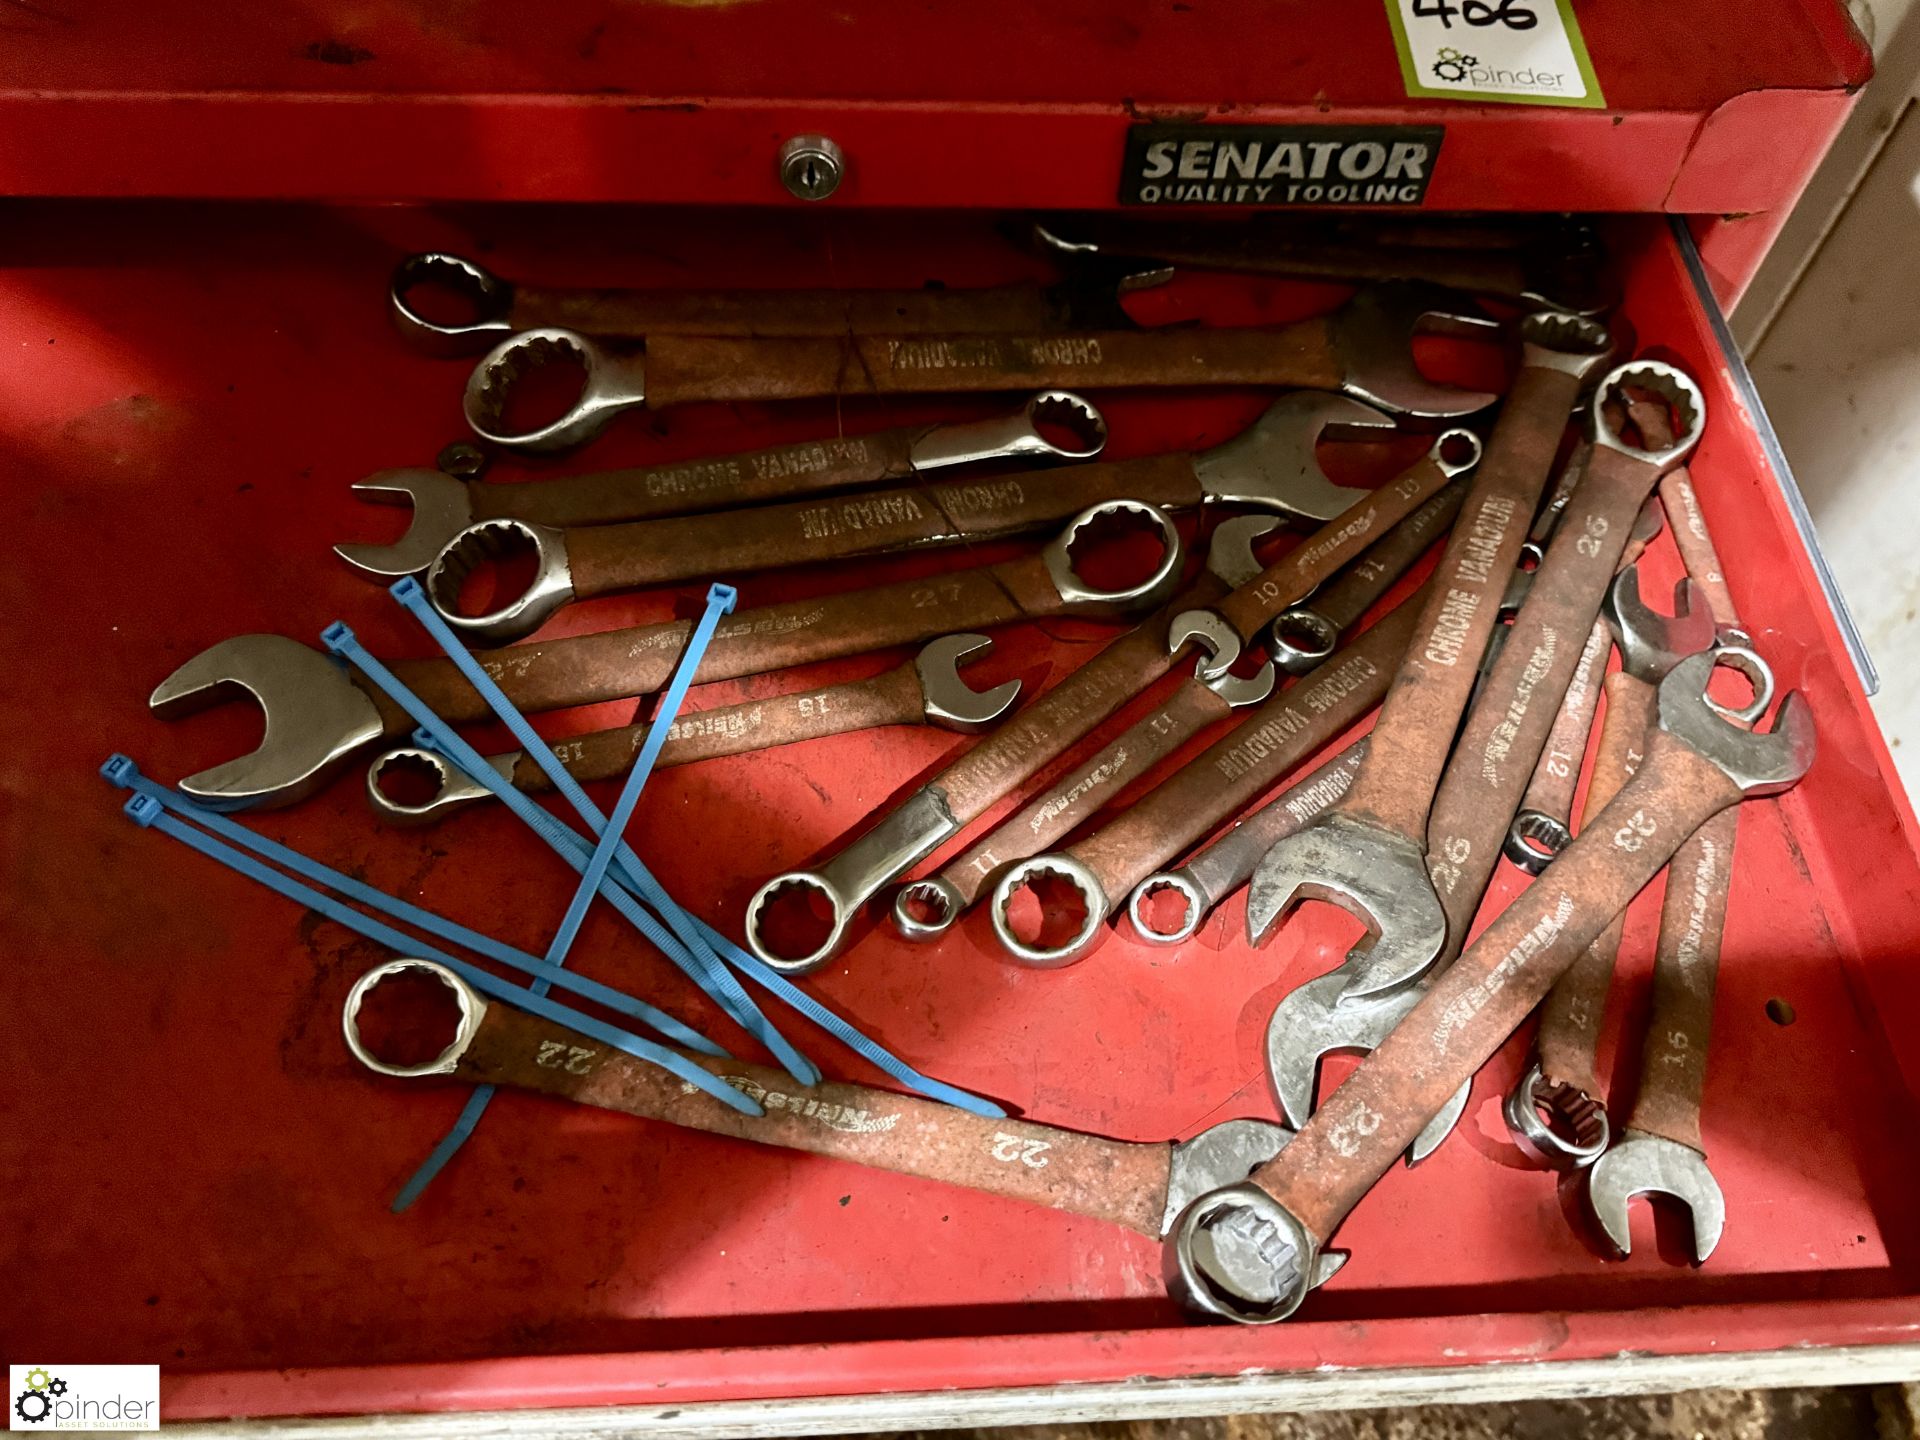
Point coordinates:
[[1698, 764], [1102, 867], [1062, 717], [1368, 853], [1493, 759], [1140, 1187], [1363, 349], [1272, 465], [1052, 425], [318, 715], [926, 690], [1089, 299], [926, 909]]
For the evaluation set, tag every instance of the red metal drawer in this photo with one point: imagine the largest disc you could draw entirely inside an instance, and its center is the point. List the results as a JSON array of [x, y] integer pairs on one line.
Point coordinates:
[[196, 1174]]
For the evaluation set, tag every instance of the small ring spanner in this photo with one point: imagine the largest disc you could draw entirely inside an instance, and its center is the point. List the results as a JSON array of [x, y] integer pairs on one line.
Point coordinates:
[[1270, 465], [1087, 299], [926, 909], [318, 715], [1103, 866], [1364, 350], [1697, 765], [443, 505], [926, 690], [1067, 713]]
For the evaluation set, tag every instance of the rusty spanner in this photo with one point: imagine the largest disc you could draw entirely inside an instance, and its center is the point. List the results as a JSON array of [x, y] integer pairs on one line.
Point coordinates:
[[443, 505], [1555, 1112], [318, 715], [1225, 865], [1662, 1151], [1050, 726], [1363, 350], [1272, 1227], [928, 908], [1494, 757], [1104, 865], [1308, 633], [1271, 465], [1140, 1187], [926, 690], [1368, 853], [1088, 299]]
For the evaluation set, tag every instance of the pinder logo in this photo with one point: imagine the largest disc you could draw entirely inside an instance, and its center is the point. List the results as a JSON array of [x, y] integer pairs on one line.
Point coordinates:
[[1453, 67], [83, 1397]]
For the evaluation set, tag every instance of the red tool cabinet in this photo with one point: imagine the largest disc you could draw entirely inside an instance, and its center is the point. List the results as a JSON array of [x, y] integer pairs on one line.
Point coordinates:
[[195, 1173]]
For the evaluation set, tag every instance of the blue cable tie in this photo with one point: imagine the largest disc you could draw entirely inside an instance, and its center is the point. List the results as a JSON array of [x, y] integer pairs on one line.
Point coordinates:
[[146, 811], [720, 599], [701, 966], [124, 773], [719, 983]]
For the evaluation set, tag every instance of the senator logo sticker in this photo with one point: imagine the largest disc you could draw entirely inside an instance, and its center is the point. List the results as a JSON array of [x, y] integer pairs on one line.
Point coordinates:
[[1511, 52], [1279, 164]]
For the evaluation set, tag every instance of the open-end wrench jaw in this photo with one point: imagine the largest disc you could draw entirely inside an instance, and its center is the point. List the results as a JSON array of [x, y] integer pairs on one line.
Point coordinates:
[[1320, 1019], [550, 588], [1760, 762], [1644, 1164], [441, 510], [949, 701], [316, 718], [1373, 341], [1651, 644], [489, 295], [1274, 462], [1376, 875]]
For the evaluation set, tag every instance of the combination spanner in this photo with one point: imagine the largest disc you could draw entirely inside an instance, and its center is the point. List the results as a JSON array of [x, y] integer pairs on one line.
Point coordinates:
[[1214, 873], [1052, 425], [1271, 465], [1662, 1151], [1140, 1187], [1364, 350], [1088, 299], [1494, 757], [1103, 866], [1368, 853], [926, 690], [926, 909], [318, 716], [1265, 1235], [1556, 1112], [1049, 727]]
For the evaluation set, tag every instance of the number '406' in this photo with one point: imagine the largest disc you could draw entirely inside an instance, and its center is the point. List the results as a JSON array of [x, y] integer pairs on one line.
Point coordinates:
[[1514, 14]]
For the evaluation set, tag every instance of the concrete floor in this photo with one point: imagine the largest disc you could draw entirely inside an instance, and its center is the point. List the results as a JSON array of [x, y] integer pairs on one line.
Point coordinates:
[[1860, 1413]]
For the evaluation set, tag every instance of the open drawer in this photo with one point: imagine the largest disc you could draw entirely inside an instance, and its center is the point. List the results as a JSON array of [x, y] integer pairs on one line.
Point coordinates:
[[197, 1174]]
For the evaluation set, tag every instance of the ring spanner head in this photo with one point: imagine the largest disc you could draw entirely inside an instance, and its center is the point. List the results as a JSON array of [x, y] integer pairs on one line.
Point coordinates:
[[1554, 1123], [473, 1009], [441, 510], [316, 717], [1654, 1165], [1238, 1254], [489, 295], [608, 386], [1373, 339]]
